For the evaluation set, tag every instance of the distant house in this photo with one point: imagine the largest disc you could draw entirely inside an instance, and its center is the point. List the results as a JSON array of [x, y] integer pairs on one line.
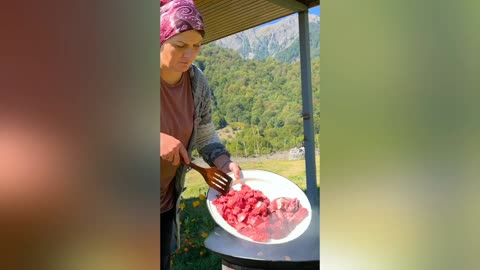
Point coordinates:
[[296, 153]]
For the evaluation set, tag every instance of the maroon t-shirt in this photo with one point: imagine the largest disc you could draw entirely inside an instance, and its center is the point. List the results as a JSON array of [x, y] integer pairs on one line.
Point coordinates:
[[176, 119]]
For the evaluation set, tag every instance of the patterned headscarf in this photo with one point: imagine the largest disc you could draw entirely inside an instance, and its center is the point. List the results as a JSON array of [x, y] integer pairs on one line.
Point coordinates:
[[178, 16]]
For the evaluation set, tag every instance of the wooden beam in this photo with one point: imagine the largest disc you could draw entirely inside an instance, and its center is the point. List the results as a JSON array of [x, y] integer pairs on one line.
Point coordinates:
[[290, 4]]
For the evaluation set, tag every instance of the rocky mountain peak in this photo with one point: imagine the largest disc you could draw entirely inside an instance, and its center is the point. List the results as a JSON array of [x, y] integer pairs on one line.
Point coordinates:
[[279, 39]]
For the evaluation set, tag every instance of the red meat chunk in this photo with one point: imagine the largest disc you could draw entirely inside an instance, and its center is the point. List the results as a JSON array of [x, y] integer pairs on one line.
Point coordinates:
[[252, 214]]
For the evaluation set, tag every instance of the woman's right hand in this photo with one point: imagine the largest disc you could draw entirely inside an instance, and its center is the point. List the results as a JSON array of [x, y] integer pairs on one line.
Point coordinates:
[[172, 150]]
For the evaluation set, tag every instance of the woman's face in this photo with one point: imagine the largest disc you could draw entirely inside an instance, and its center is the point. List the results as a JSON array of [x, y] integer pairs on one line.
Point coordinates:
[[179, 52]]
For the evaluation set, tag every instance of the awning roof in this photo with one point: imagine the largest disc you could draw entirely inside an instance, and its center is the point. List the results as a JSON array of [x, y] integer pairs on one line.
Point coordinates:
[[226, 17]]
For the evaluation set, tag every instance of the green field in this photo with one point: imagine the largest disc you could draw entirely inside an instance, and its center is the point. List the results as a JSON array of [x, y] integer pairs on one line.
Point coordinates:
[[291, 169], [197, 222]]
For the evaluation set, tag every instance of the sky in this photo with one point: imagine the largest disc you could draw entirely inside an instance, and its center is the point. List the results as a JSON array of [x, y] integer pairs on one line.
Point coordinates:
[[315, 10]]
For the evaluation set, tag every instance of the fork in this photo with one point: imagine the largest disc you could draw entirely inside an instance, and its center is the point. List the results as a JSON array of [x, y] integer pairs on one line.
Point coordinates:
[[214, 177]]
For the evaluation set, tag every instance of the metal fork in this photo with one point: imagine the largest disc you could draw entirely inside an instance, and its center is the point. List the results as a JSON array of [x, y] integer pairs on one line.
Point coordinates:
[[214, 177]]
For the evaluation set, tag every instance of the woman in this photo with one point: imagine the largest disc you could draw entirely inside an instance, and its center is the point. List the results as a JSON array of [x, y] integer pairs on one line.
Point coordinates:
[[185, 114]]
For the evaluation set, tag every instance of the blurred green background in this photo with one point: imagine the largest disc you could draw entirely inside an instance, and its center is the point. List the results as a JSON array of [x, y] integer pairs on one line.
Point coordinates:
[[399, 151]]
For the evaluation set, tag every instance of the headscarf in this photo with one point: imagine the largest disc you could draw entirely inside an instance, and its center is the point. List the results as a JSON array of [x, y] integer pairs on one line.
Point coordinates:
[[178, 16]]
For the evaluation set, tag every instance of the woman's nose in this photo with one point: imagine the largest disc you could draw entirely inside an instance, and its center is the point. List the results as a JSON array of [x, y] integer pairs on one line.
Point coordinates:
[[188, 53]]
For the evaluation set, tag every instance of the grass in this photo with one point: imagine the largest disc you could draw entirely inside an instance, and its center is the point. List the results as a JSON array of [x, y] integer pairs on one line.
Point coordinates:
[[291, 169], [196, 221], [195, 226]]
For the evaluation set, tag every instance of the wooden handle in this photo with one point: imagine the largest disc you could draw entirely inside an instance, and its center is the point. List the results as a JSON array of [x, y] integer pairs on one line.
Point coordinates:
[[192, 165], [196, 167]]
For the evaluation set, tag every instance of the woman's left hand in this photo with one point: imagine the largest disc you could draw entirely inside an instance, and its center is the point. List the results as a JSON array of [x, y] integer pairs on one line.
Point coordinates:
[[232, 167]]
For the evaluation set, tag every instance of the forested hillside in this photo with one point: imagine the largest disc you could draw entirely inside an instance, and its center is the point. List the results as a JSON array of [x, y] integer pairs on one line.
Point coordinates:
[[260, 99]]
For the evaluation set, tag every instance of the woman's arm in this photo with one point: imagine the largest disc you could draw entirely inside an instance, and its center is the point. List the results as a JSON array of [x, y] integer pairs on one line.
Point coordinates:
[[225, 164], [208, 143]]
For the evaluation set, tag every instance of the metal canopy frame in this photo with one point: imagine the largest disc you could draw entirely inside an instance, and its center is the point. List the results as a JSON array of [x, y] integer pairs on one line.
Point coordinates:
[[221, 16], [307, 103]]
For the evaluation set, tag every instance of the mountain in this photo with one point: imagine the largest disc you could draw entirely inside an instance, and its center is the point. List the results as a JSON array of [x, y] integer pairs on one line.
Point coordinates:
[[279, 40]]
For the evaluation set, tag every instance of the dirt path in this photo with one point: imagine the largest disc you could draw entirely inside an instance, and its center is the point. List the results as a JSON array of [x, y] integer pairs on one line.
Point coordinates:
[[274, 156]]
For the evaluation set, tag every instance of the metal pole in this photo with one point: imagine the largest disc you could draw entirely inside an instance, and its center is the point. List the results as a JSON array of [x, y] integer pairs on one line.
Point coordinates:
[[308, 127]]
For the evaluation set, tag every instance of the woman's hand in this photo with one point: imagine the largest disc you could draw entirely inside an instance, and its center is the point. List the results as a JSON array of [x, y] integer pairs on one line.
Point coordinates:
[[172, 150], [224, 163], [232, 167]]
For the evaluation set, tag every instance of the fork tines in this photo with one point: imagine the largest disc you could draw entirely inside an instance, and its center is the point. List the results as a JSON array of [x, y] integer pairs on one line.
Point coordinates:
[[222, 181]]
